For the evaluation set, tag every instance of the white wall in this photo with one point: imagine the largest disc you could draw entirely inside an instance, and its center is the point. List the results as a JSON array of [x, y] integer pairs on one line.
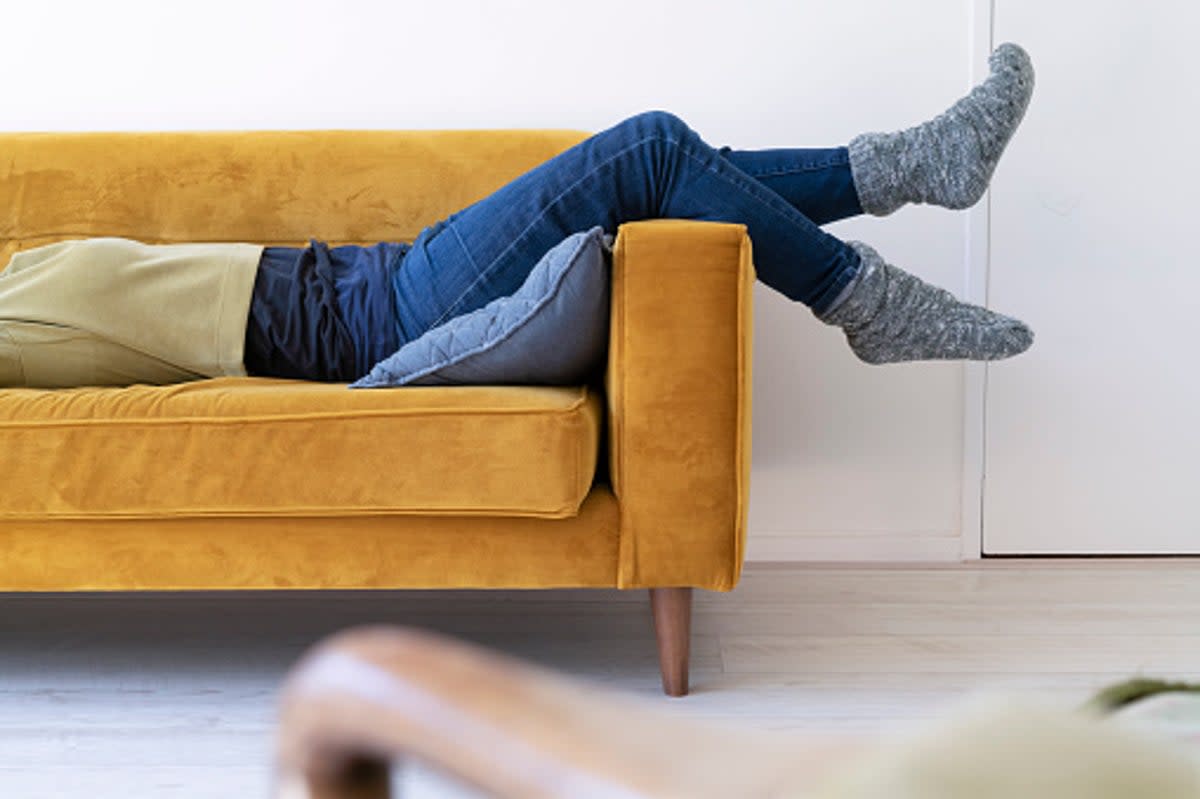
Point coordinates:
[[849, 460]]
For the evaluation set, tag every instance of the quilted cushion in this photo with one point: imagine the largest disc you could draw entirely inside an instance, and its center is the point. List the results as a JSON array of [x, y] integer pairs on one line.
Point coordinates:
[[553, 330]]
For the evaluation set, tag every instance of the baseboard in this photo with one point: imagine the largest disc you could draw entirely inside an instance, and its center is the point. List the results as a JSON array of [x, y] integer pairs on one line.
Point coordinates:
[[800, 548]]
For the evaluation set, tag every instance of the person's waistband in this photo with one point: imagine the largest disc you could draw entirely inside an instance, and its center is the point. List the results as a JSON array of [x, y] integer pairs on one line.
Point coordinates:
[[323, 313]]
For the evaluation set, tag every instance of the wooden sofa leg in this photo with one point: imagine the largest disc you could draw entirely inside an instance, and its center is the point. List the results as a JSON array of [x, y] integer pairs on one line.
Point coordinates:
[[672, 609]]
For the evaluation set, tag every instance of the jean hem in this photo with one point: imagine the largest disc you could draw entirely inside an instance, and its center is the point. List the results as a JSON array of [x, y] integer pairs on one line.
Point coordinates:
[[845, 278]]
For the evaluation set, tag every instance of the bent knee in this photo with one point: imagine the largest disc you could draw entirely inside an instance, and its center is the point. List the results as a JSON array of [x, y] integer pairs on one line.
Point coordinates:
[[660, 122]]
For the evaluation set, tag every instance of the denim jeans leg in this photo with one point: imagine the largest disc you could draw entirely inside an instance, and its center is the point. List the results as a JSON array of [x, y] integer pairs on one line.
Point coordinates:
[[817, 182], [650, 165]]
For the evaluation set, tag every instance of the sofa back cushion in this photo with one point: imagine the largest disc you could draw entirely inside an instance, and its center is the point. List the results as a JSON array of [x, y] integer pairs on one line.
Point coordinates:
[[274, 187]]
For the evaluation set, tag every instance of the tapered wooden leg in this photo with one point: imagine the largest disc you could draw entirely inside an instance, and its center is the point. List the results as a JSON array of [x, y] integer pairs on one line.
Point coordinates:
[[672, 609]]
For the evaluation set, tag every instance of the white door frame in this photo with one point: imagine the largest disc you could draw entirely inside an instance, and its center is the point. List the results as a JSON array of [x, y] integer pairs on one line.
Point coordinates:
[[977, 260]]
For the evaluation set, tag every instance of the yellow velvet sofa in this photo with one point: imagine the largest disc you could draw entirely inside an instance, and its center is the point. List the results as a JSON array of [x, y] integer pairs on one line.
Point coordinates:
[[636, 479]]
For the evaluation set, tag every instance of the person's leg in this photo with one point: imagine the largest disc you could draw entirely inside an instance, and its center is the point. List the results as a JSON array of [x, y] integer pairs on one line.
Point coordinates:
[[653, 165], [947, 161], [647, 166], [817, 182]]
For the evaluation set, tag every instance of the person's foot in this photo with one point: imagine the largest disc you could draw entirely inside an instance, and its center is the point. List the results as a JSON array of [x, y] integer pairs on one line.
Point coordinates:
[[890, 316], [949, 160]]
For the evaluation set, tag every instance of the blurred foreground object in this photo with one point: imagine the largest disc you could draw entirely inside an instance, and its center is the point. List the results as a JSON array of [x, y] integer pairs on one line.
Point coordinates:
[[370, 696]]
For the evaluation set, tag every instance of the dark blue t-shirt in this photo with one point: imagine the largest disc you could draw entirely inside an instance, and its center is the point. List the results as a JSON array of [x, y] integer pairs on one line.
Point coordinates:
[[321, 313]]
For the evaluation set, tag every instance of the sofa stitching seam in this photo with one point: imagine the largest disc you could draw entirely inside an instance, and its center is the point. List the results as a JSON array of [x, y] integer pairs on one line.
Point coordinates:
[[218, 421]]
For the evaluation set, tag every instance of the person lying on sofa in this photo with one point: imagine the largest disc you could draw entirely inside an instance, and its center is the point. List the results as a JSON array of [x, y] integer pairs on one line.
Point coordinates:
[[328, 314]]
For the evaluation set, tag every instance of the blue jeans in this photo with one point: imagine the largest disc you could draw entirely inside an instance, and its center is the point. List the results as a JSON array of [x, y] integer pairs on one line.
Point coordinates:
[[649, 165]]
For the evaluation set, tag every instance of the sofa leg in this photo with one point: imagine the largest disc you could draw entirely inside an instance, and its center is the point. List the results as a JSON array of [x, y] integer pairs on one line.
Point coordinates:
[[672, 609]]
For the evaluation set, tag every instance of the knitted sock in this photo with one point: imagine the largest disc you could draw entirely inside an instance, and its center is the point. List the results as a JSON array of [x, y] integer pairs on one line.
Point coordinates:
[[889, 316], [948, 160]]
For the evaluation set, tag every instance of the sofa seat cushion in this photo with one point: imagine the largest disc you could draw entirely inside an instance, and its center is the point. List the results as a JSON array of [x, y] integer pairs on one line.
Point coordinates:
[[254, 446]]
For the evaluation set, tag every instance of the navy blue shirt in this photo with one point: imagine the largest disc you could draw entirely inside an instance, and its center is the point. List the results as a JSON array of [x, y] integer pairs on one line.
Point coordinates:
[[321, 313]]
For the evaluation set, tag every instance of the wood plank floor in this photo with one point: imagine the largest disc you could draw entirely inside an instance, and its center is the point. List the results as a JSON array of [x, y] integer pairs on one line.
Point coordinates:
[[173, 695]]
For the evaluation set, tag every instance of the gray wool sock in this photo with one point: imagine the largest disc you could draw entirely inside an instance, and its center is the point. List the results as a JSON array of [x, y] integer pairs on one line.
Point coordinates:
[[949, 160], [890, 316]]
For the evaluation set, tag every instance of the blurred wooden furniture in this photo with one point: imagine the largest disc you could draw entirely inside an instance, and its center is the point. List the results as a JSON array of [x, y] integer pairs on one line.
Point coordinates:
[[373, 695]]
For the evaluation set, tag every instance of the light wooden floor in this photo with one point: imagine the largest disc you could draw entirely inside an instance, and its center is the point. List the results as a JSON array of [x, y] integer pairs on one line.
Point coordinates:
[[172, 695]]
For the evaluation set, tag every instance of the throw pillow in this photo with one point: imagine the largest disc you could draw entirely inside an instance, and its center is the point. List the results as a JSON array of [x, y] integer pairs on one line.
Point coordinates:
[[552, 330]]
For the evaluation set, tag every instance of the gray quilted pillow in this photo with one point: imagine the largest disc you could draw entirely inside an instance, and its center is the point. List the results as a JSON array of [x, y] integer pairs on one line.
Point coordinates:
[[553, 330]]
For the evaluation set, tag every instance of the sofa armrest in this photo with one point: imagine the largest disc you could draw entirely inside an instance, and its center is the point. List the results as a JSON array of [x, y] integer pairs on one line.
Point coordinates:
[[678, 383]]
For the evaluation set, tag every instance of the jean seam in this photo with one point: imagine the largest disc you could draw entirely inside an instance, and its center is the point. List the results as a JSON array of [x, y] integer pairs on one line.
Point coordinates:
[[536, 219], [463, 244], [793, 170]]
